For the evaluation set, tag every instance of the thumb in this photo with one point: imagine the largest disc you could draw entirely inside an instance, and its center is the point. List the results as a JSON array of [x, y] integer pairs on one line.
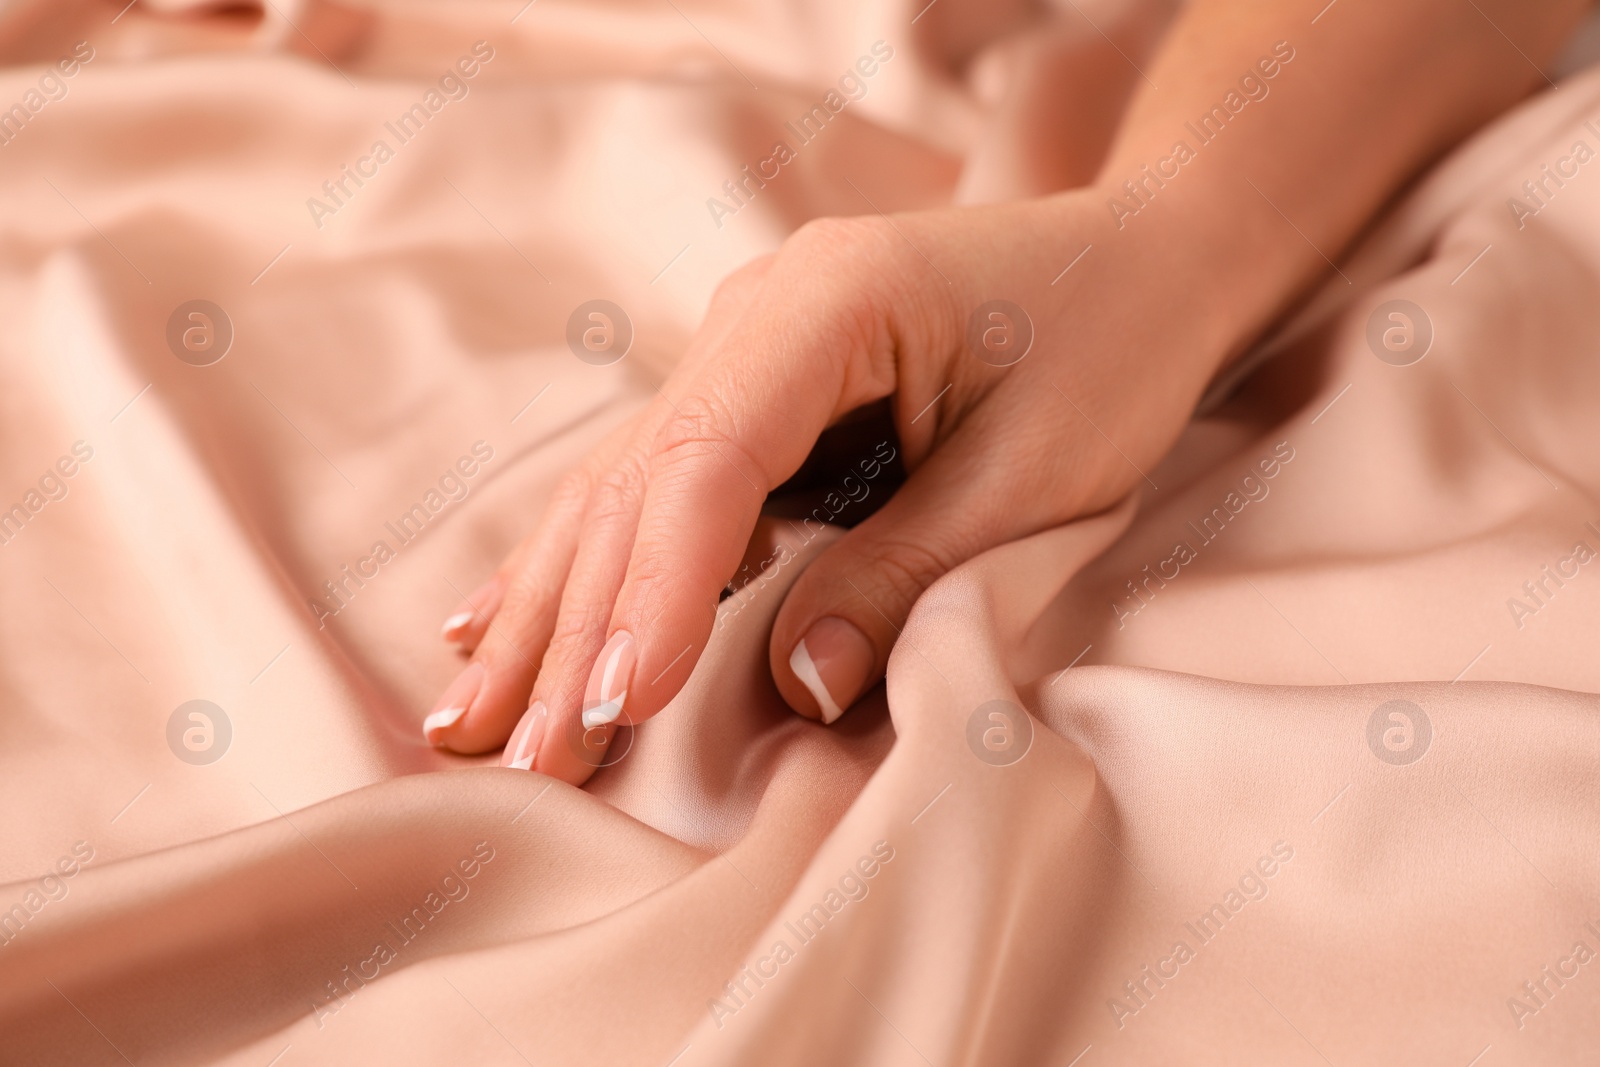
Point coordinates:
[[832, 637]]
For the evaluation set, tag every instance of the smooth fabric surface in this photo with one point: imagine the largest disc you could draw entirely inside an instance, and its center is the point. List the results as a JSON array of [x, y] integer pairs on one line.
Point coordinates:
[[1206, 773]]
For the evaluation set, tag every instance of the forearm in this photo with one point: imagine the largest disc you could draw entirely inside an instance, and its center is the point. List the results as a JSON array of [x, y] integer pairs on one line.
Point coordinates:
[[1260, 143]]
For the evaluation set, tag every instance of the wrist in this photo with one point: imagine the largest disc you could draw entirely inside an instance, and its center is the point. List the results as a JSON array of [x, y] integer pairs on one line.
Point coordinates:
[[1183, 283], [1211, 253]]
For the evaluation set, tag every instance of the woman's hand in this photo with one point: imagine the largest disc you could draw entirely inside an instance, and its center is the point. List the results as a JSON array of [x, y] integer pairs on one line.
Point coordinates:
[[1312, 115], [1199, 239], [1024, 394]]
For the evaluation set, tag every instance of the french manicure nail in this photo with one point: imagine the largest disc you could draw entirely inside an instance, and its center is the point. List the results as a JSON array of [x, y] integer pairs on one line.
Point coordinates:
[[455, 626], [833, 661], [457, 629], [607, 693], [454, 704], [523, 748]]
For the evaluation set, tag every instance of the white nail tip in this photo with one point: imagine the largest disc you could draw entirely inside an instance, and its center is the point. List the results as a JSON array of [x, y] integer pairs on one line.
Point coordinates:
[[610, 707], [441, 719], [523, 760], [528, 742], [456, 622], [805, 670], [606, 713]]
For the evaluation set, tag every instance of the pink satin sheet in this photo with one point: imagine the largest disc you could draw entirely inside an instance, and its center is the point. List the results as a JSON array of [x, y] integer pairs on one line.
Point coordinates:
[[1211, 765]]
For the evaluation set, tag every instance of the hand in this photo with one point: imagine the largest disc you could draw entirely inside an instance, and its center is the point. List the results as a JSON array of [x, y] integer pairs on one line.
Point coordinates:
[[605, 609]]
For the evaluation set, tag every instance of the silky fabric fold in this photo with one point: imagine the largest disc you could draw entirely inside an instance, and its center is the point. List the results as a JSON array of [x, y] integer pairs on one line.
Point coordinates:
[[1288, 760]]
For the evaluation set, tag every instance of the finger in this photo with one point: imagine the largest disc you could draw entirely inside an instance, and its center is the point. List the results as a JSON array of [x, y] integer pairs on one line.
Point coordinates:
[[465, 627], [833, 634], [593, 575], [479, 708], [573, 731], [742, 427]]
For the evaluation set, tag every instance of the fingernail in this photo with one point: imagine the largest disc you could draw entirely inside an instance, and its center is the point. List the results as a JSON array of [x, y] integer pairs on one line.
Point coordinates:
[[455, 625], [833, 660], [523, 748], [609, 681], [458, 628], [454, 704]]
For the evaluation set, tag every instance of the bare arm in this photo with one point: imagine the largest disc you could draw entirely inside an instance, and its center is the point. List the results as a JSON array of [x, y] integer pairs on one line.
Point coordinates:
[[1298, 131]]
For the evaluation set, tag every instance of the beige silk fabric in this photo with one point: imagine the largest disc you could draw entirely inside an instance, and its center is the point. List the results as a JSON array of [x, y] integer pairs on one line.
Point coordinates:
[[1219, 844]]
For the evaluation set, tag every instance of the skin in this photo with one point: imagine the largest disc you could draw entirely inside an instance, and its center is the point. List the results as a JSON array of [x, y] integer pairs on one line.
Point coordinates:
[[647, 532]]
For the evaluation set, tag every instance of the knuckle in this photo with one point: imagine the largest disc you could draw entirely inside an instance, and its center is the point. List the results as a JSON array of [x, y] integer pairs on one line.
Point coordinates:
[[519, 629], [902, 569], [702, 429], [841, 238], [698, 419], [574, 643], [529, 599], [571, 493], [616, 495], [857, 261], [736, 287], [856, 273], [573, 627], [663, 584]]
